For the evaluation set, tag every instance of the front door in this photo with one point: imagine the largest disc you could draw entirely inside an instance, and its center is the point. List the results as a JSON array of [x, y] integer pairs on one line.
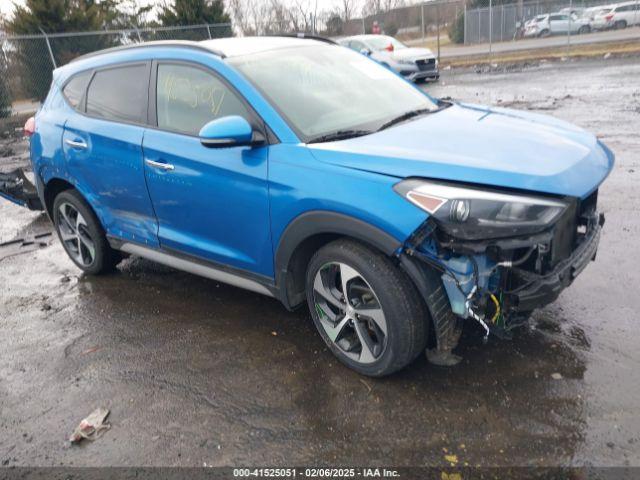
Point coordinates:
[[212, 203]]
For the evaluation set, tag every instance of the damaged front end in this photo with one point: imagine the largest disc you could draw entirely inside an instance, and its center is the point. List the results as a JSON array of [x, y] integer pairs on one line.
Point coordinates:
[[498, 254]]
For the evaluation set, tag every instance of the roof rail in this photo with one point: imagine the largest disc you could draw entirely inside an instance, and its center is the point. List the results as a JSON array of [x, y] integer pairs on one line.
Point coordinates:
[[157, 43], [307, 36]]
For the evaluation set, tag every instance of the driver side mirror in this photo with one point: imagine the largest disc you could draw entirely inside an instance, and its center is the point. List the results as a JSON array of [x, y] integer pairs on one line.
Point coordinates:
[[225, 132], [366, 52]]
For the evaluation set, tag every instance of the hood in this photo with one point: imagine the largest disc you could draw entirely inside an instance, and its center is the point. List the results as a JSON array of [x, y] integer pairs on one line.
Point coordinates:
[[412, 53], [481, 145]]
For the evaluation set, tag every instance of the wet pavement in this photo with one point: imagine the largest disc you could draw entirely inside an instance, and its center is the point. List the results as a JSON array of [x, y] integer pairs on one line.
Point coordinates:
[[198, 372]]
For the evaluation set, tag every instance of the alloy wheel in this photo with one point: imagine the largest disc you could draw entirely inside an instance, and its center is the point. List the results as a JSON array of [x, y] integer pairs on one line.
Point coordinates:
[[350, 312], [75, 236]]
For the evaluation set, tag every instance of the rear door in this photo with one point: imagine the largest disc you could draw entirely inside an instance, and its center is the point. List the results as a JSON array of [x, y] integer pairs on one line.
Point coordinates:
[[559, 23], [211, 203], [103, 149]]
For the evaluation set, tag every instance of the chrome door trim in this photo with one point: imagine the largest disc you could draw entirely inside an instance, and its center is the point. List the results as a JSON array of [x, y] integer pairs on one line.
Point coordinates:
[[195, 268], [160, 165], [76, 144]]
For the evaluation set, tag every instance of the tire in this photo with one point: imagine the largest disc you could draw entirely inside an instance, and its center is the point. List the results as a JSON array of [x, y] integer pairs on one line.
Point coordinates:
[[78, 229], [584, 29], [544, 33], [396, 330], [620, 24]]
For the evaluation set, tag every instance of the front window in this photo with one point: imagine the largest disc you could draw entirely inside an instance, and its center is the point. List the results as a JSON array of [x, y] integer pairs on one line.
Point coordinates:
[[321, 90], [382, 42], [189, 97]]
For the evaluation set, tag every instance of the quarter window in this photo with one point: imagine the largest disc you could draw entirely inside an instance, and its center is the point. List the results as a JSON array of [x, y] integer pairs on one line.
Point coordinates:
[[188, 98], [119, 94], [75, 88]]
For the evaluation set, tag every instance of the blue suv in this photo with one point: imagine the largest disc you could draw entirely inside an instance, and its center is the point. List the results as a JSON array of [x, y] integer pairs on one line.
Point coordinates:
[[302, 170]]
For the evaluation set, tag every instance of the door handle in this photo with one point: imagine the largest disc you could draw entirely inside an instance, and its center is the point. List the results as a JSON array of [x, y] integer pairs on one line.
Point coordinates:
[[76, 144], [160, 165]]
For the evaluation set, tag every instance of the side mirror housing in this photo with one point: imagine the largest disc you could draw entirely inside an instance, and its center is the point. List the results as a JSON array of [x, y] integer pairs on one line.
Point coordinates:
[[366, 52], [225, 132]]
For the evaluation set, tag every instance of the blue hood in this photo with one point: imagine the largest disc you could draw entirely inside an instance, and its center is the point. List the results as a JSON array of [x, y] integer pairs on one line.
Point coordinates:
[[482, 145]]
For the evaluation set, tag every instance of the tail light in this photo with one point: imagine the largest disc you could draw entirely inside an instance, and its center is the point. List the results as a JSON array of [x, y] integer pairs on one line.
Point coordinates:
[[30, 127], [608, 17], [389, 48]]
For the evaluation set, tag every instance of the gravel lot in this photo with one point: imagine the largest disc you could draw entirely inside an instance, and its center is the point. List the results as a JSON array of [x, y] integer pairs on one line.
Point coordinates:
[[197, 372]]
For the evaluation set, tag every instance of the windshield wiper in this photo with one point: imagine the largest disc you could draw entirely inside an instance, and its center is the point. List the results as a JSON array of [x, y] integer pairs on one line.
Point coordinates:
[[339, 135], [442, 104], [406, 116]]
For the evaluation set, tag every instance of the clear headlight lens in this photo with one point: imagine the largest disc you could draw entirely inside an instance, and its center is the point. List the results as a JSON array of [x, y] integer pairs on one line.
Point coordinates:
[[470, 213]]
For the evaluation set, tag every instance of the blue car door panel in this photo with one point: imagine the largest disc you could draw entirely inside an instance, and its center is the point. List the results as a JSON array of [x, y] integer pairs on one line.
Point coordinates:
[[104, 154], [212, 203]]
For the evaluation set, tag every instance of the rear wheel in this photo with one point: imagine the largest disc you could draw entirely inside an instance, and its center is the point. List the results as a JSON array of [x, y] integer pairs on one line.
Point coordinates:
[[620, 24], [584, 29], [81, 234], [366, 309], [544, 33]]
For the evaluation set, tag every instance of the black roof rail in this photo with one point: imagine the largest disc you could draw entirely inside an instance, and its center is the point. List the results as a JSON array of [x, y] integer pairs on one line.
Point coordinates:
[[157, 43], [307, 36]]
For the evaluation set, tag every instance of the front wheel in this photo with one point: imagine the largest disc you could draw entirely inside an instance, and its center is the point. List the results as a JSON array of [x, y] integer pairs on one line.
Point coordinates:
[[584, 29], [366, 309], [81, 234]]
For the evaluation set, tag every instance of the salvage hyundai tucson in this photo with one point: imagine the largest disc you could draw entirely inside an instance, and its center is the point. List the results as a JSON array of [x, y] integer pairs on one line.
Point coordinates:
[[300, 169]]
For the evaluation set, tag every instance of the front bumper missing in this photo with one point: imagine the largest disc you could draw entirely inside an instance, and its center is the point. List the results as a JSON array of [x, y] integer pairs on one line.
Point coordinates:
[[539, 290]]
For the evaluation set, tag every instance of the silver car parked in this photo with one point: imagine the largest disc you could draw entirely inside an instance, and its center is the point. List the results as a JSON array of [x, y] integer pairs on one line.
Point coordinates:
[[415, 64]]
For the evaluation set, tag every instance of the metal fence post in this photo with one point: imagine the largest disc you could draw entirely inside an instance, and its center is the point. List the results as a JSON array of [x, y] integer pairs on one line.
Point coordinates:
[[438, 22], [490, 28], [422, 19], [464, 40], [569, 30], [209, 31], [46, 39], [364, 29]]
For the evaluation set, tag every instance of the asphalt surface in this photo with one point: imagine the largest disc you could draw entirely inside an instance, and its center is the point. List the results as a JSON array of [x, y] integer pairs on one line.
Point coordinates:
[[195, 372]]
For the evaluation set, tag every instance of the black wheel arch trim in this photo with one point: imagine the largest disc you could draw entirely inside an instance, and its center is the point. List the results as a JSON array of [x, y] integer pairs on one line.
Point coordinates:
[[323, 222]]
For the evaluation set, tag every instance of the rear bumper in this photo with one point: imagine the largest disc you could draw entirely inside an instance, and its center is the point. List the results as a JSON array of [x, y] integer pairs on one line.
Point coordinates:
[[17, 188], [540, 290]]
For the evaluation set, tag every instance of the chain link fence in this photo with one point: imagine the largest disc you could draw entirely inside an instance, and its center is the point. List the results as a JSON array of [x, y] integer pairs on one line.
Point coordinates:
[[498, 23], [27, 61]]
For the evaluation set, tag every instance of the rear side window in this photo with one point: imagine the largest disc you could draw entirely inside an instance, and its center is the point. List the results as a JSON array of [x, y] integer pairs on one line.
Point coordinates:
[[188, 98], [74, 90], [119, 94]]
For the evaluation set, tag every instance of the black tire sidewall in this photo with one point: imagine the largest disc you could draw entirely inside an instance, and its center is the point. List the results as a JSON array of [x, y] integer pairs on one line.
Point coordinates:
[[94, 227], [398, 337]]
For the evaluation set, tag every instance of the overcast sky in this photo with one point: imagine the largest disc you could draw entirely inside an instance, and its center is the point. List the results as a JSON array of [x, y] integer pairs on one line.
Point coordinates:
[[6, 6]]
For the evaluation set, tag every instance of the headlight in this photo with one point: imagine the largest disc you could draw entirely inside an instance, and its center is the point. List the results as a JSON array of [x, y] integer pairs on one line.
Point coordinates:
[[472, 213]]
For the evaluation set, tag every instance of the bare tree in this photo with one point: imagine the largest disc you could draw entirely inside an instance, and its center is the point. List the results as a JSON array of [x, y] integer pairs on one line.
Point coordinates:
[[348, 8]]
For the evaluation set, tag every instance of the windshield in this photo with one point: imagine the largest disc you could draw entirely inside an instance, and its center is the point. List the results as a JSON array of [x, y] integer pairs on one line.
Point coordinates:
[[381, 42], [322, 89]]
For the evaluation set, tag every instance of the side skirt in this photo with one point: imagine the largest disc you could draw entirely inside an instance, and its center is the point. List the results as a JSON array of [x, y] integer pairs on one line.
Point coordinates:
[[195, 266]]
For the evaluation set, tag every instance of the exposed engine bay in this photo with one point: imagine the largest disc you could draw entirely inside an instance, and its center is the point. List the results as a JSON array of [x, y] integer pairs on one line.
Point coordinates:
[[500, 281]]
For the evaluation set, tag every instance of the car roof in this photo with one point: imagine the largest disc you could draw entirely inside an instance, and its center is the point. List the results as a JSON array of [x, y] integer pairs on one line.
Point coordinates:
[[222, 47], [237, 46], [364, 36]]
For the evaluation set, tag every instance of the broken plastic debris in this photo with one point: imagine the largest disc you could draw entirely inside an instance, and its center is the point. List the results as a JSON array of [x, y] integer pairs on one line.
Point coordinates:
[[92, 426], [556, 376]]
